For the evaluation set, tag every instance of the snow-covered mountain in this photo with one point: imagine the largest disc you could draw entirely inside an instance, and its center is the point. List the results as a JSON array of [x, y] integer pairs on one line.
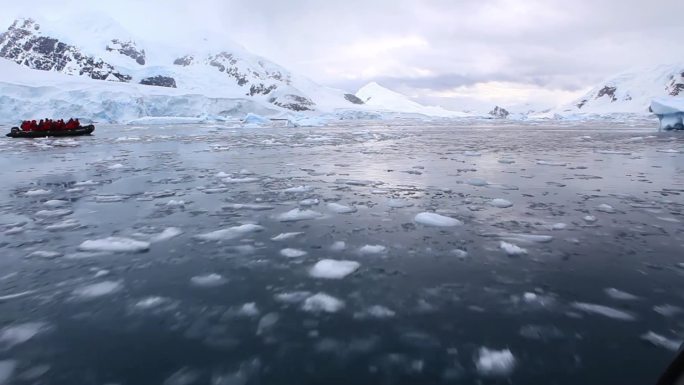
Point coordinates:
[[381, 98], [107, 52], [630, 92]]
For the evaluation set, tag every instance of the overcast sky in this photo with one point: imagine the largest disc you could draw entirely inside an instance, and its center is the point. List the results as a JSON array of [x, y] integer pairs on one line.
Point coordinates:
[[440, 51]]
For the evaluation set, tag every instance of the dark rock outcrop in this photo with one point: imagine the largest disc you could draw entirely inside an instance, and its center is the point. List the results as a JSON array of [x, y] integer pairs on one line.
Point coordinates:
[[582, 103], [184, 61], [353, 99], [293, 102], [159, 81], [23, 44], [676, 85], [127, 48], [609, 91], [499, 113]]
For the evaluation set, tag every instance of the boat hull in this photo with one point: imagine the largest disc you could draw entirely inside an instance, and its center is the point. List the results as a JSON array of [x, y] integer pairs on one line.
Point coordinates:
[[83, 130]]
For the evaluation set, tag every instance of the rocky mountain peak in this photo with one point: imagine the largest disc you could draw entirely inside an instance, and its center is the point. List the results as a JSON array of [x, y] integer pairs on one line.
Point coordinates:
[[499, 113], [24, 44]]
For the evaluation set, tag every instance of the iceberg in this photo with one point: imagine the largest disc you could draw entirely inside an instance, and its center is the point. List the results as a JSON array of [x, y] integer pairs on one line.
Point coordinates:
[[670, 111]]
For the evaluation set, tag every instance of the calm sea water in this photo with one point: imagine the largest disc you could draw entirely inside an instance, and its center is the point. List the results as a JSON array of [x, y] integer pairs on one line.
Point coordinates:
[[596, 215]]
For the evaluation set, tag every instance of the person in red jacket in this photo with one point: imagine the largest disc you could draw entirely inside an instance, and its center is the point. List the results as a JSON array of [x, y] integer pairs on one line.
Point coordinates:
[[24, 126], [34, 125], [77, 123]]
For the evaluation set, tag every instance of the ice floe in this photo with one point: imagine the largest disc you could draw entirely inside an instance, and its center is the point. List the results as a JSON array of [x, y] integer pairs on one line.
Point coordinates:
[[16, 334], [605, 208], [168, 233], [338, 246], [230, 233], [551, 163], [99, 289], [322, 302], [298, 189], [44, 254], [248, 206], [662, 341], [240, 180], [151, 302], [292, 253], [208, 280], [267, 322], [477, 182], [375, 311], [433, 219], [501, 203], [398, 203], [619, 294], [114, 244], [512, 249], [249, 309], [340, 209], [286, 236], [37, 193], [333, 269], [292, 297], [495, 363], [53, 213], [55, 203], [298, 215], [604, 311], [372, 249]]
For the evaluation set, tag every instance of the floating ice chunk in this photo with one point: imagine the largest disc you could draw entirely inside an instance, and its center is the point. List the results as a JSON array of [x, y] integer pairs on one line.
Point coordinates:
[[605, 208], [372, 249], [175, 203], [53, 213], [340, 209], [433, 219], [230, 233], [7, 368], [37, 193], [551, 163], [526, 238], [669, 151], [247, 206], [19, 333], [559, 226], [168, 233], [286, 236], [110, 198], [267, 322], [338, 246], [472, 153], [668, 310], [240, 180], [619, 294], [114, 244], [589, 218], [44, 254], [151, 302], [501, 203], [67, 224], [459, 253], [322, 302], [99, 289], [209, 280], [614, 152], [333, 269], [604, 311], [478, 182], [398, 203], [292, 253], [376, 311], [354, 182], [86, 183], [511, 249], [292, 297], [309, 202], [298, 215], [495, 363], [56, 203], [299, 189], [249, 309], [662, 341], [116, 166]]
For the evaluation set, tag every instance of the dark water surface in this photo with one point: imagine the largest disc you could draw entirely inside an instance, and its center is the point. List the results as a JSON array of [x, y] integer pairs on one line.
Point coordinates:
[[575, 308]]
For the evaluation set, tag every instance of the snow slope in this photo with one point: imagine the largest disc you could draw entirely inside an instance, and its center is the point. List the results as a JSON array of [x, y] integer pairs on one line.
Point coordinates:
[[381, 98], [630, 92], [211, 77]]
